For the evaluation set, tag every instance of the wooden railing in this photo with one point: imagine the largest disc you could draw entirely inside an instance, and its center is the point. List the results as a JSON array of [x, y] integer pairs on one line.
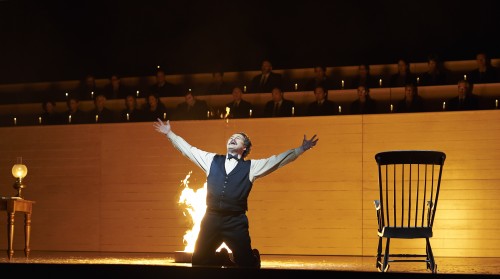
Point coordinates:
[[434, 96]]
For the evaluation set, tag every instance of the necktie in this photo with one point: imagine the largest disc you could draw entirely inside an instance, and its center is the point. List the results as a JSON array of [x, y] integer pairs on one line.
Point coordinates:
[[263, 80], [231, 156], [276, 109]]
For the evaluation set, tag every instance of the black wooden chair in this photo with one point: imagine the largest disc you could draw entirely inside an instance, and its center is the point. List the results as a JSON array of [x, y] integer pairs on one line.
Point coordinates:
[[409, 182]]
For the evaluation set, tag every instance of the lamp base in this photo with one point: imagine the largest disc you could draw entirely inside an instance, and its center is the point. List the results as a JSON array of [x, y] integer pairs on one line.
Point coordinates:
[[19, 186]]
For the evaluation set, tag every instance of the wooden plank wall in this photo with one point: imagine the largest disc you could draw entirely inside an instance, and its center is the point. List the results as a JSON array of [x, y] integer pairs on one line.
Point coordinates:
[[115, 187]]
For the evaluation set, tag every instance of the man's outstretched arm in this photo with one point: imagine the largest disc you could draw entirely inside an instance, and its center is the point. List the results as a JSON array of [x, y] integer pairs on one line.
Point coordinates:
[[201, 158], [263, 167]]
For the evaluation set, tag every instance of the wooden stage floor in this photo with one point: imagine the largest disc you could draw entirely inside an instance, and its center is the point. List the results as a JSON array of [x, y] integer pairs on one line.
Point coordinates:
[[154, 265]]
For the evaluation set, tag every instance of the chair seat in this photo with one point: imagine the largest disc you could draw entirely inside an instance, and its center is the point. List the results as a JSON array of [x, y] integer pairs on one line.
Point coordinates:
[[402, 232]]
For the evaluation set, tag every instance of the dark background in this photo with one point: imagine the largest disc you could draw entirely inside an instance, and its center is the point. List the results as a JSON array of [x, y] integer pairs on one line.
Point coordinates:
[[64, 40]]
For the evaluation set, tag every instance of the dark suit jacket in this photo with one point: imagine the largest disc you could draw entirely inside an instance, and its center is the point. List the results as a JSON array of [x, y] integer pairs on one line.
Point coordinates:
[[471, 102], [490, 76], [273, 80], [79, 117], [222, 88], [135, 115], [240, 111], [121, 93], [104, 116], [160, 112], [327, 83], [399, 81], [285, 109], [433, 79], [52, 118], [197, 112], [370, 82], [166, 90], [416, 106], [369, 106], [328, 107]]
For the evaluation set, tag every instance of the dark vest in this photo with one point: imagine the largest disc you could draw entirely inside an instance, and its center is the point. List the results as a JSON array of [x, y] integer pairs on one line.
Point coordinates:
[[228, 192]]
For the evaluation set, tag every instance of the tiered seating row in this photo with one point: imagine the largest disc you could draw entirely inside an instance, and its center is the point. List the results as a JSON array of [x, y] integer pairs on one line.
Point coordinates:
[[37, 91], [27, 114]]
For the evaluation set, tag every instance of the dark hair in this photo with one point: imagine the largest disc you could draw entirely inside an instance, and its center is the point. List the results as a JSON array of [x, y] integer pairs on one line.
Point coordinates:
[[433, 57], [44, 104], [365, 65], [248, 144], [279, 88], [189, 92], [366, 87], [72, 97], [322, 67], [412, 83], [130, 94], [99, 94]]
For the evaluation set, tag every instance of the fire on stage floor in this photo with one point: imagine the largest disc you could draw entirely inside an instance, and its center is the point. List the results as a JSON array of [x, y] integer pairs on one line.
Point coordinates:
[[154, 265]]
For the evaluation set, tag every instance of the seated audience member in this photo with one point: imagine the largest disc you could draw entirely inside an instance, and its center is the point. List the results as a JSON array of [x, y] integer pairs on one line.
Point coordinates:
[[412, 102], [218, 84], [364, 77], [192, 108], [485, 72], [266, 80], [238, 107], [320, 79], [154, 108], [74, 115], [49, 115], [465, 100], [115, 89], [435, 74], [364, 104], [100, 113], [322, 106], [87, 88], [279, 106], [163, 88], [131, 112], [403, 76]]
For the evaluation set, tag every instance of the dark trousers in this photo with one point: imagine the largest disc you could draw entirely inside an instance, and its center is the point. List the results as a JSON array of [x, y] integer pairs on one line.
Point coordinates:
[[216, 228]]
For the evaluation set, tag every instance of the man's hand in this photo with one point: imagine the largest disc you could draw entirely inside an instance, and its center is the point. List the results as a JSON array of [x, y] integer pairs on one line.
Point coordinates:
[[162, 127], [308, 144]]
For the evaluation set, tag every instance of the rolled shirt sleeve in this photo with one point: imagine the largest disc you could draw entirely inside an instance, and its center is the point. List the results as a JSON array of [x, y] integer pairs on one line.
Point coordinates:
[[258, 168], [201, 158], [262, 167]]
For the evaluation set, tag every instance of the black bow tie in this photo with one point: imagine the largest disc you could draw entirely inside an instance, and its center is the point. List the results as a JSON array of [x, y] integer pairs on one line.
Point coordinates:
[[230, 156]]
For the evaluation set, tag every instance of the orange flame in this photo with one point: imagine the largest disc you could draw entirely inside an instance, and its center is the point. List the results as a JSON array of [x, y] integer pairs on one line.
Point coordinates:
[[195, 203]]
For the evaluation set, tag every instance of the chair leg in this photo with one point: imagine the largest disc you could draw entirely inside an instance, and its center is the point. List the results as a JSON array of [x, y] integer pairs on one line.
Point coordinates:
[[379, 254], [431, 264], [385, 265]]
